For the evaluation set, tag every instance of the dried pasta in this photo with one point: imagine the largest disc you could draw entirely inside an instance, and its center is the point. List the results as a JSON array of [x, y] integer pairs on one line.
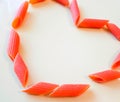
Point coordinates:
[[114, 29], [105, 76], [116, 62], [69, 90], [75, 11], [35, 1], [93, 23], [63, 2], [17, 21], [13, 44], [41, 88], [20, 69]]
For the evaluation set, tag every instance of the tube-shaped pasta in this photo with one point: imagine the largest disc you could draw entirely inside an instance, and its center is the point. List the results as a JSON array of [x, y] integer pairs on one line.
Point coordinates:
[[13, 44], [114, 29], [93, 23], [17, 21], [116, 62], [35, 1], [105, 76], [69, 90], [20, 69], [63, 2], [41, 88], [75, 11]]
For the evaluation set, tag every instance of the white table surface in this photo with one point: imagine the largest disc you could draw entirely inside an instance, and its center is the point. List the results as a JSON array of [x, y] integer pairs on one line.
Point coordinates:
[[58, 52]]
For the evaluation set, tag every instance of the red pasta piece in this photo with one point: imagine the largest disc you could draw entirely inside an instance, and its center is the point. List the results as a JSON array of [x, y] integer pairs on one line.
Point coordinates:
[[40, 88], [63, 2], [93, 23], [114, 30], [13, 44], [35, 1], [69, 90], [105, 76], [20, 69], [17, 21], [75, 11], [116, 62]]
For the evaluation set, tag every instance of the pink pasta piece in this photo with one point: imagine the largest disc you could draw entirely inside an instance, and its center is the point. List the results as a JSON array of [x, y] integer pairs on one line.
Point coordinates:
[[41, 88], [114, 30], [13, 44], [69, 90], [105, 76], [75, 11], [17, 21], [93, 23], [20, 69], [63, 2], [116, 62]]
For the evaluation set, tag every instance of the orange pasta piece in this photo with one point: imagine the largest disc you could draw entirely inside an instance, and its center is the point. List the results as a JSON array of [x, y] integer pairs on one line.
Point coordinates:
[[105, 76], [40, 88], [17, 21], [75, 11], [116, 62], [20, 69], [63, 2], [69, 90], [13, 44], [35, 1], [114, 30], [93, 23]]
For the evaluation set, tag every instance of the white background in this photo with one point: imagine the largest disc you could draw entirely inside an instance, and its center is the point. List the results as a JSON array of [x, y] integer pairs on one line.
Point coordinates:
[[56, 51]]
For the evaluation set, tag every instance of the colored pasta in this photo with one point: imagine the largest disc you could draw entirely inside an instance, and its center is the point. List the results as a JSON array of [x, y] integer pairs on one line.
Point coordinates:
[[75, 11], [41, 88], [13, 44], [50, 89], [116, 62], [20, 69], [105, 76], [17, 21], [114, 30], [69, 90], [35, 1], [63, 2], [93, 23]]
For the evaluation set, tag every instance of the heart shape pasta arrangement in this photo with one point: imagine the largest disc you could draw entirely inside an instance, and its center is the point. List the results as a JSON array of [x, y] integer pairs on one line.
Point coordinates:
[[51, 89]]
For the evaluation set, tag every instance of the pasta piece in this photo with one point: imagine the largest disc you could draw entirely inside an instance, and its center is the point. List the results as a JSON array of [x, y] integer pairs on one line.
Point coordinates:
[[40, 88], [116, 62], [105, 76], [17, 21], [35, 1], [93, 23], [13, 44], [63, 2], [75, 11], [114, 30], [20, 69], [69, 90]]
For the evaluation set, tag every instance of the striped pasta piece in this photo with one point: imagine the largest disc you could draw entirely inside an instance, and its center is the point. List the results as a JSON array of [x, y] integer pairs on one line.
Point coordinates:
[[20, 69], [69, 90], [17, 21], [114, 30], [13, 44], [116, 62], [41, 88], [75, 11], [35, 1], [105, 76], [63, 2], [93, 23]]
